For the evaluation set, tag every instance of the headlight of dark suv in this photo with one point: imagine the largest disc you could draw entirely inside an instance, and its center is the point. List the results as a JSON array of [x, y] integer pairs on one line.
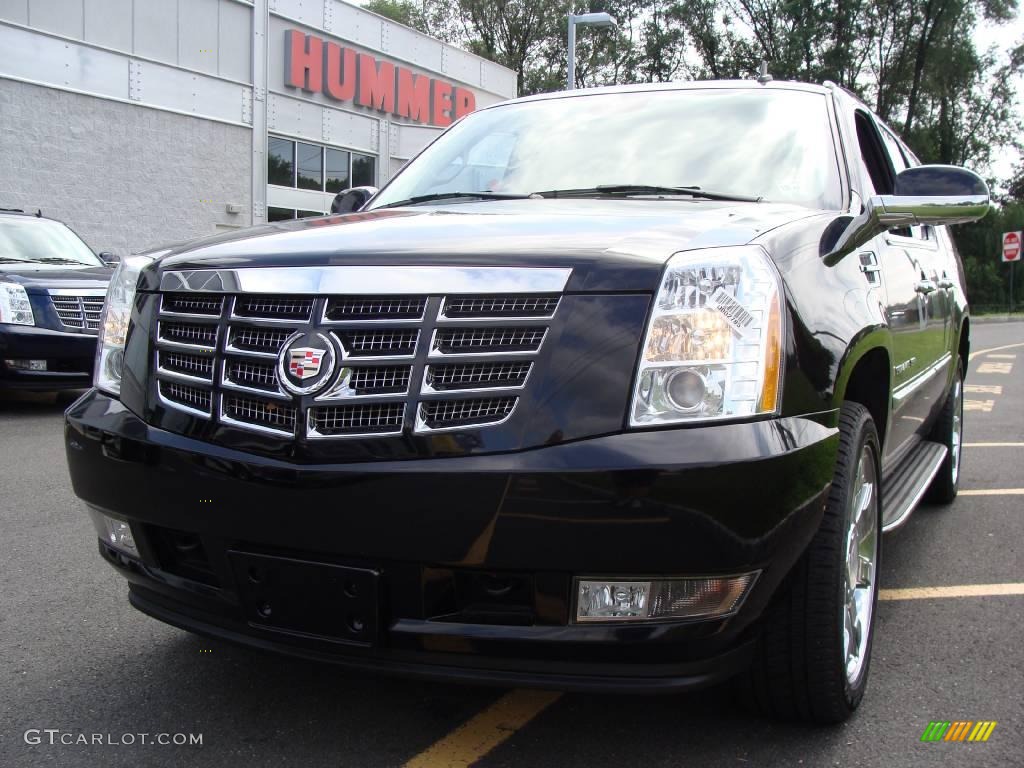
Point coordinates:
[[713, 348]]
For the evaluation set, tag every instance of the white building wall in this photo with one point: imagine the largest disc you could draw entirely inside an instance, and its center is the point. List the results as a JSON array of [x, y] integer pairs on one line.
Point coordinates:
[[90, 88]]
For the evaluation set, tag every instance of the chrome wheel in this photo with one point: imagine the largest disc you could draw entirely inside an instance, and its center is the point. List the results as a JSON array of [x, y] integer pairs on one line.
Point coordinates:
[[861, 565], [957, 433]]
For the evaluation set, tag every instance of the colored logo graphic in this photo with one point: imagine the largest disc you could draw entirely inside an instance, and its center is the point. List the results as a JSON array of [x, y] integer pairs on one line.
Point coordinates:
[[958, 730], [304, 362]]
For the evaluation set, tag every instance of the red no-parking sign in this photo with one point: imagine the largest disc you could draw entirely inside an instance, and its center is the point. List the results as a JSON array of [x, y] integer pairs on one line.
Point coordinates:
[[1011, 246]]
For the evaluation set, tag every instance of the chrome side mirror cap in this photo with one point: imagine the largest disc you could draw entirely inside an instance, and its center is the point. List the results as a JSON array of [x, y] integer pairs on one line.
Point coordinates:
[[928, 194], [353, 199]]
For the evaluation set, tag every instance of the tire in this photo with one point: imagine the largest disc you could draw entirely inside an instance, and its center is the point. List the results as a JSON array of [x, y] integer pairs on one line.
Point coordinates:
[[949, 432], [803, 667]]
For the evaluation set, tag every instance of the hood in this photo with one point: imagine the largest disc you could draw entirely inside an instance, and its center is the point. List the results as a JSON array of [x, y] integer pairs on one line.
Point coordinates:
[[37, 278], [611, 245]]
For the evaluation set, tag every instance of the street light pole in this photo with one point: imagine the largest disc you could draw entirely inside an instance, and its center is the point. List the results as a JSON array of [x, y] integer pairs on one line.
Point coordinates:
[[587, 19]]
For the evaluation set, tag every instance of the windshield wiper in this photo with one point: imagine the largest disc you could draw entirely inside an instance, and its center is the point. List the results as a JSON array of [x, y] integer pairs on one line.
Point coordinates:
[[453, 196], [649, 189], [8, 260], [57, 260]]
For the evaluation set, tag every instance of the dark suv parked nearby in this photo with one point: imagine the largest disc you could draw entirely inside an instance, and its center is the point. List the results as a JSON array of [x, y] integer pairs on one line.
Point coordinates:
[[614, 389], [51, 295]]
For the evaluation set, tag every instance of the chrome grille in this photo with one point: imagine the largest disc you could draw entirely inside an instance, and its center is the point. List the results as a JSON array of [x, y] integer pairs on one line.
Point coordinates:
[[189, 334], [375, 308], [368, 418], [473, 375], [398, 343], [477, 340], [78, 313], [191, 304], [192, 398], [445, 414], [259, 413], [251, 373], [267, 341], [217, 356], [186, 364], [392, 378], [500, 306], [274, 307]]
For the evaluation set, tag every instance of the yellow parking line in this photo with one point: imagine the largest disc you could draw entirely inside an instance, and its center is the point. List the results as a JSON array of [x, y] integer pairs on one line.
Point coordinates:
[[484, 731], [963, 590], [993, 492], [994, 349], [993, 445], [983, 389]]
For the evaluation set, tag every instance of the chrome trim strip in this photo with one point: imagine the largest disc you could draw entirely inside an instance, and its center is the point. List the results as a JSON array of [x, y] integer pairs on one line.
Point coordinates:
[[227, 383], [341, 390], [160, 370], [369, 280], [435, 354], [393, 321], [88, 293], [908, 388], [345, 355], [229, 349], [903, 516], [223, 418], [312, 433], [427, 389], [421, 427], [180, 407], [443, 319]]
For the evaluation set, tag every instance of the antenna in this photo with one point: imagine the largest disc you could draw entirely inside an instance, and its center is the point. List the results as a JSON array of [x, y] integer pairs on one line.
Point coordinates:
[[762, 76]]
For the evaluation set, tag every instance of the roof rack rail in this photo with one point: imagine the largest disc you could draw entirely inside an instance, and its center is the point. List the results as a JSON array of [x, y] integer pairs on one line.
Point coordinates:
[[38, 214], [12, 210]]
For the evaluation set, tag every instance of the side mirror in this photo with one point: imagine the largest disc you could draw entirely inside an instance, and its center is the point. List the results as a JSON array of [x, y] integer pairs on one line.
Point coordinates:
[[350, 200], [928, 194], [108, 258]]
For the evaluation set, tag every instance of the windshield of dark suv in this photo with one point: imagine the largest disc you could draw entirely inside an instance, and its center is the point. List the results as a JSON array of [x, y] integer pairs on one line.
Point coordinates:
[[747, 143], [26, 239]]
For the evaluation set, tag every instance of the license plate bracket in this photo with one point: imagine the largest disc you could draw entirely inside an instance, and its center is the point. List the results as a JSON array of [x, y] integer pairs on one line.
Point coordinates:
[[332, 602]]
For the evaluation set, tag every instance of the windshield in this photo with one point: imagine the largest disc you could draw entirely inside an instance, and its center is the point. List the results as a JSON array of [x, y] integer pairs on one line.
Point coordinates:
[[42, 241], [760, 143]]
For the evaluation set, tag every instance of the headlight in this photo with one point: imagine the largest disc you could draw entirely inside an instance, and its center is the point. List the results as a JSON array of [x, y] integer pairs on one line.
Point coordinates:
[[713, 348], [117, 312], [14, 305]]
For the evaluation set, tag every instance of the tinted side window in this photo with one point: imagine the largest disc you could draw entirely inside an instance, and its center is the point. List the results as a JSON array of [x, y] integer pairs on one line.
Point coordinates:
[[876, 159]]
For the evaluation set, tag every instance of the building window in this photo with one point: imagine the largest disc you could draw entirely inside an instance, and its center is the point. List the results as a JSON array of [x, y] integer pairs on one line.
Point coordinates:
[[337, 164], [279, 214], [310, 167], [300, 165], [281, 162], [363, 171]]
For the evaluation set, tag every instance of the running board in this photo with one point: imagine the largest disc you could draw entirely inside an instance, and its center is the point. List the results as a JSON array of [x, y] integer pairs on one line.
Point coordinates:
[[906, 484]]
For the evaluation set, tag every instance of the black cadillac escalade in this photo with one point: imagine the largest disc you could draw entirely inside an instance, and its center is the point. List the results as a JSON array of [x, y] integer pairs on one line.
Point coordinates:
[[613, 389]]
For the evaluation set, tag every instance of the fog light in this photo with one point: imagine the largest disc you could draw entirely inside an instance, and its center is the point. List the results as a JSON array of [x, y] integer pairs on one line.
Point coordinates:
[[661, 599], [26, 365], [116, 533]]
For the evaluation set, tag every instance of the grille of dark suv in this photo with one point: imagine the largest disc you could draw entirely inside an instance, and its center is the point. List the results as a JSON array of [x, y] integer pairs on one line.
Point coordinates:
[[78, 313], [402, 363]]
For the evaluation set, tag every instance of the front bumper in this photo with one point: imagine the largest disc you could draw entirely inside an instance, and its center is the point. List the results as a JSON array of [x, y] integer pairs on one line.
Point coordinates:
[[69, 358], [438, 534]]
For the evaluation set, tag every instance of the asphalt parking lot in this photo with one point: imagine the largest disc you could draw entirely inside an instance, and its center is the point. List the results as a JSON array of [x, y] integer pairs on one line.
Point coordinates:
[[78, 659]]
